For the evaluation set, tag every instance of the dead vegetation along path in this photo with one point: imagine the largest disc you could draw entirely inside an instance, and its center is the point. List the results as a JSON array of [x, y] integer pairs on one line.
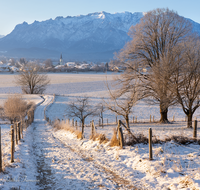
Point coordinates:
[[60, 167]]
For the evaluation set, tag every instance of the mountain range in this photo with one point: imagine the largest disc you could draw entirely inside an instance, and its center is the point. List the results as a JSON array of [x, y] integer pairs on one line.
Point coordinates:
[[93, 37]]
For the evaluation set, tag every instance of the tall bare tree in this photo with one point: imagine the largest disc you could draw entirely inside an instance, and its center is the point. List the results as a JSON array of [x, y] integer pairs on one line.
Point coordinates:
[[81, 108], [153, 42], [186, 81], [31, 80]]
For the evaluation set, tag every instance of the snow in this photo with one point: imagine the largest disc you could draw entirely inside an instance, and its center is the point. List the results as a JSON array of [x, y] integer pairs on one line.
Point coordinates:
[[56, 159]]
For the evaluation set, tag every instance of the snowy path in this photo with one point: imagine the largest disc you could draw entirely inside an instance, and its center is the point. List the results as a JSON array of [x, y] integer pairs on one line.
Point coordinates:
[[59, 166], [44, 162]]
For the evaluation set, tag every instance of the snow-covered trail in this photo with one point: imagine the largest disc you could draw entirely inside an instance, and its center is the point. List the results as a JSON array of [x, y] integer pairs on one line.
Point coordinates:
[[43, 161], [59, 166]]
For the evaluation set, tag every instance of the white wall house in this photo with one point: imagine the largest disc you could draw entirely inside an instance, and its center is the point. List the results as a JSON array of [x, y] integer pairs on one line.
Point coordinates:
[[71, 64]]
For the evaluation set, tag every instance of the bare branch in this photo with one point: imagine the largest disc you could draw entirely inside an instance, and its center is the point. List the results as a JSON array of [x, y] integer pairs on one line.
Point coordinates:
[[31, 81]]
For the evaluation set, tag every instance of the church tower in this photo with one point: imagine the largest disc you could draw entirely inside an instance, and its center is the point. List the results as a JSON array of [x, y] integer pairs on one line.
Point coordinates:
[[61, 60]]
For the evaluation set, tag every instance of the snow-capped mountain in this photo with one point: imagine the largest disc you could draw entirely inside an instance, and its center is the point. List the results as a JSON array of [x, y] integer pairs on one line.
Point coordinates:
[[92, 36], [92, 33], [1, 36]]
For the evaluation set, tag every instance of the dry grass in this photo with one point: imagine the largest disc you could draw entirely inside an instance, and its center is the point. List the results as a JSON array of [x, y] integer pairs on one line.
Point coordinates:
[[180, 139], [99, 137], [139, 138], [78, 134], [187, 182], [155, 140], [114, 141], [158, 151], [57, 125]]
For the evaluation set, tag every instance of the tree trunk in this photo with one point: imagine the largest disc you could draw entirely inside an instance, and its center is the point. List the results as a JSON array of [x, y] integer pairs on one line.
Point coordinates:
[[102, 119], [83, 121], [163, 115], [189, 119], [127, 121]]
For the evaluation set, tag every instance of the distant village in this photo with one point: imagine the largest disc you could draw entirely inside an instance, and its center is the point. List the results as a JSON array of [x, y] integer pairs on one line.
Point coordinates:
[[12, 65]]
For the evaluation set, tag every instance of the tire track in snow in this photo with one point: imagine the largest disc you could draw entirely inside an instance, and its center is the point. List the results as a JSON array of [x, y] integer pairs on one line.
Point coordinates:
[[58, 166], [111, 175], [45, 176]]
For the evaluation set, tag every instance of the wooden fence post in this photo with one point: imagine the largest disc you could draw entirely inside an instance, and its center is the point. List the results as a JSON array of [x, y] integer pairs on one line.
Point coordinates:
[[102, 120], [153, 119], [16, 138], [12, 145], [76, 124], [107, 121], [173, 117], [121, 138], [120, 134], [0, 153], [73, 122], [195, 129], [135, 119], [19, 133], [22, 129], [93, 128], [150, 144], [13, 127]]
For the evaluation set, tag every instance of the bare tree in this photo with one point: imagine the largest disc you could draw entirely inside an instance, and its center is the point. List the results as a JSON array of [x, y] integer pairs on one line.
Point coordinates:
[[101, 107], [81, 109], [153, 42], [186, 81], [124, 96], [23, 61], [48, 63], [15, 108], [31, 80]]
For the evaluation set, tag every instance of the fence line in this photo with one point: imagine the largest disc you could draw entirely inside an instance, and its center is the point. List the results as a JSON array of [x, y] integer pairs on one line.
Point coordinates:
[[16, 134]]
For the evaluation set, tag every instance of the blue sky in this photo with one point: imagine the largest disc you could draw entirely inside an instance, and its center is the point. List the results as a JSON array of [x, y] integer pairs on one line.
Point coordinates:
[[13, 12]]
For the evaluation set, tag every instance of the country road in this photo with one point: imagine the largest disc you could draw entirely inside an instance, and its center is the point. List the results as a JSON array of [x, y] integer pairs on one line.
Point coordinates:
[[44, 162]]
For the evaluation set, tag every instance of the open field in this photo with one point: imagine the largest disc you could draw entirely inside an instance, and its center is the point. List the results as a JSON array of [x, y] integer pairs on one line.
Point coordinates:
[[57, 159], [61, 83]]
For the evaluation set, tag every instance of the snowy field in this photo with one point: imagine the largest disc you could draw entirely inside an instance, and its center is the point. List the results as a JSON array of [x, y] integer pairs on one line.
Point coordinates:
[[60, 161], [62, 83]]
